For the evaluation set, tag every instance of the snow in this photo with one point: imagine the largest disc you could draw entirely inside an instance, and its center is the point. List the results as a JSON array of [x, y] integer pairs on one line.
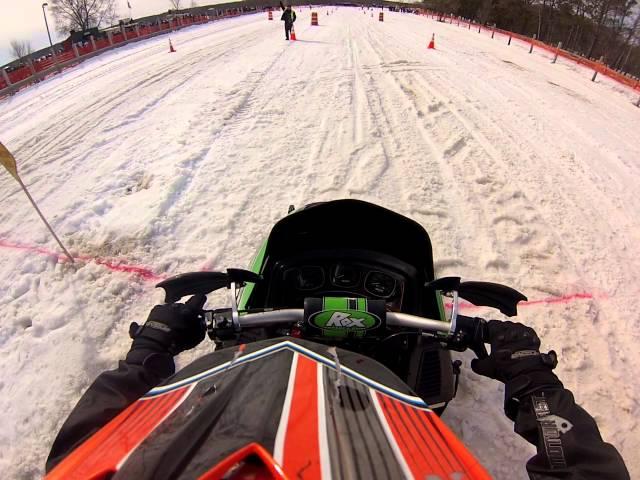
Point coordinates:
[[523, 172]]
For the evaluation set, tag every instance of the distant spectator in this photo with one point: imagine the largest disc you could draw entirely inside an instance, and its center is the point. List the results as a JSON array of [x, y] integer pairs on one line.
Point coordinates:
[[288, 17]]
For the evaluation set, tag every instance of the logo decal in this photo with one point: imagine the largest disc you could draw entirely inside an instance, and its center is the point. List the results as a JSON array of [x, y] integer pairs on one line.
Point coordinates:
[[343, 323], [561, 424]]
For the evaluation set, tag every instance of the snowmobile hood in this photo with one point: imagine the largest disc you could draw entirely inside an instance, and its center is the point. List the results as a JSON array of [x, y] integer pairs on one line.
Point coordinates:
[[307, 410]]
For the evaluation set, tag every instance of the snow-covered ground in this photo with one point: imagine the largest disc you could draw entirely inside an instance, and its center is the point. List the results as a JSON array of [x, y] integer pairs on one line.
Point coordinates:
[[523, 172]]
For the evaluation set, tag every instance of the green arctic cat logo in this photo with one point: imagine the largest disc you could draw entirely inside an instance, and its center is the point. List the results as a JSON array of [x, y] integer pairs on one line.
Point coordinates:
[[342, 323]]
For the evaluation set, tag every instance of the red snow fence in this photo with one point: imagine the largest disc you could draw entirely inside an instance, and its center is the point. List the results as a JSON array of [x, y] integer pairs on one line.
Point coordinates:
[[314, 19], [147, 273], [554, 300], [597, 66], [113, 264], [66, 55]]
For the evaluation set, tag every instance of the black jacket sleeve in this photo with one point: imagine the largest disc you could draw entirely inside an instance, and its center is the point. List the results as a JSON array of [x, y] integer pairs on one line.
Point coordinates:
[[110, 394], [567, 438]]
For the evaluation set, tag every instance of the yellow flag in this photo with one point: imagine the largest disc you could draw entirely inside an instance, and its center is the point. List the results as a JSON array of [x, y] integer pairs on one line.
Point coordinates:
[[7, 160]]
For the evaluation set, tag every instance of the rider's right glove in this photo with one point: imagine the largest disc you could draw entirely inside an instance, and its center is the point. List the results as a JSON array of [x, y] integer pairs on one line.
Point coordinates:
[[516, 361]]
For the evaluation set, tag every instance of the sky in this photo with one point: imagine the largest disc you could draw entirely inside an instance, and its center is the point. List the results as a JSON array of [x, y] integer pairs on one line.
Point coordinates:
[[23, 20]]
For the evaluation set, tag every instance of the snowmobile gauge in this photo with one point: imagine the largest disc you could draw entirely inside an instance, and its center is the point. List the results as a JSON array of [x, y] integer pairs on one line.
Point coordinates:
[[380, 284], [345, 275]]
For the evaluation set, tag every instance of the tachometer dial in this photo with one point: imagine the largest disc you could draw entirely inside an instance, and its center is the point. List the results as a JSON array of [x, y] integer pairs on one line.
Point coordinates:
[[345, 275], [380, 284]]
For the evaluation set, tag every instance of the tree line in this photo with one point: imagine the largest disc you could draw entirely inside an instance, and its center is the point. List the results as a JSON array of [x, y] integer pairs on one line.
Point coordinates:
[[607, 29]]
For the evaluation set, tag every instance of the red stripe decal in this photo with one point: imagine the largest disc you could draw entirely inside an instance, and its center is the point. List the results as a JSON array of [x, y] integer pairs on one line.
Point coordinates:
[[103, 452], [301, 456], [471, 466], [425, 442], [436, 454], [413, 450], [438, 446]]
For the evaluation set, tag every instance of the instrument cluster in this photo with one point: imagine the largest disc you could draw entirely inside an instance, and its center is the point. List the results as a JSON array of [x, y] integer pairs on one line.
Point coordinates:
[[345, 278]]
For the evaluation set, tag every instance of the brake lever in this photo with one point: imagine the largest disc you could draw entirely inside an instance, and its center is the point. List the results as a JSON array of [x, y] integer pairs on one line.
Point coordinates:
[[480, 338]]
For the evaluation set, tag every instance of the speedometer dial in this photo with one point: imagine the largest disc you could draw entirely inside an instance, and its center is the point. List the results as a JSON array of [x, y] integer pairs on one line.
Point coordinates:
[[309, 278], [380, 284]]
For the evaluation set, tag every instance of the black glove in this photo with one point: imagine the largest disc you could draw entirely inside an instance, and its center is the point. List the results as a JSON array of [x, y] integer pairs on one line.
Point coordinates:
[[516, 361], [171, 328]]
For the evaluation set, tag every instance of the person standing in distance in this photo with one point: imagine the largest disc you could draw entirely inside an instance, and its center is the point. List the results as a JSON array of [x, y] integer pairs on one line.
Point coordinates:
[[288, 17]]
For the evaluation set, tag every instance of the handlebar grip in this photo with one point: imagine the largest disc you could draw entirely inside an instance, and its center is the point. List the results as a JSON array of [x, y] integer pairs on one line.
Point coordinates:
[[474, 334]]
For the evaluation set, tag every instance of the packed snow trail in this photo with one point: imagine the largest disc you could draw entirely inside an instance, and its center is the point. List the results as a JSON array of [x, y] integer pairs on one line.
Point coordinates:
[[523, 172]]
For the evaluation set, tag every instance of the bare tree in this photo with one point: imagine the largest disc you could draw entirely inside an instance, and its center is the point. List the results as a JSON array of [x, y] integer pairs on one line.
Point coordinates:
[[627, 46], [20, 49], [194, 3], [175, 4], [80, 15]]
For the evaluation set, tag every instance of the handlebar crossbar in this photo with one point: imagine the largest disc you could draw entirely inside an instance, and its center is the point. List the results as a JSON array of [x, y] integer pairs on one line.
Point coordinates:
[[291, 315]]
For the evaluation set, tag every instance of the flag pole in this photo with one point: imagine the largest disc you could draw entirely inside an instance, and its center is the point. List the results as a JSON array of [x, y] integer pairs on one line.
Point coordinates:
[[9, 162], [24, 187]]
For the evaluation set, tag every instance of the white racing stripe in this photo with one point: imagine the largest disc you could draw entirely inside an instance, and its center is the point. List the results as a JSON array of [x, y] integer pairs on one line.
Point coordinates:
[[278, 449], [325, 459], [410, 399]]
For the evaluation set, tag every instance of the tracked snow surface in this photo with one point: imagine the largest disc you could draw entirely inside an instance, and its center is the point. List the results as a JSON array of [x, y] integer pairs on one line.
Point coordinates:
[[523, 172]]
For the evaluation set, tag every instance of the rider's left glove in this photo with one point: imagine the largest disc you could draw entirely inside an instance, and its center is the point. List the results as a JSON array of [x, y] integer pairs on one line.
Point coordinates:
[[169, 330]]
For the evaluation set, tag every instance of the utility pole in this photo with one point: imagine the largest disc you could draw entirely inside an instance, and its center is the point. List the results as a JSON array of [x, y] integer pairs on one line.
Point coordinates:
[[46, 23]]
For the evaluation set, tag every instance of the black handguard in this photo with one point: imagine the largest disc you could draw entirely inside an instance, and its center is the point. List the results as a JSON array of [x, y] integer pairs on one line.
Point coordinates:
[[516, 361]]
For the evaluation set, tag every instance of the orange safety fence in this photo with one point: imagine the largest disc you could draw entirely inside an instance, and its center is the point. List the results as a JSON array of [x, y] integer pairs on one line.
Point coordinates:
[[599, 67], [102, 43], [19, 74], [42, 65], [39, 66], [86, 49], [66, 56]]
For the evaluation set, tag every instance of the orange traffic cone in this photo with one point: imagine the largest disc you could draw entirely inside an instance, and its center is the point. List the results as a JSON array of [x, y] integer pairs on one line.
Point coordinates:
[[171, 49], [293, 34], [432, 43]]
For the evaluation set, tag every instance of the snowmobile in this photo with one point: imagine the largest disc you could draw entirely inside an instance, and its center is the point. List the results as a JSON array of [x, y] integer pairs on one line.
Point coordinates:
[[333, 360]]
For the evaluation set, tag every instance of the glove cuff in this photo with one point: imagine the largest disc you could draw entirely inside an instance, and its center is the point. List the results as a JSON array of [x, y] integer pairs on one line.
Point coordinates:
[[154, 336], [160, 363], [520, 388]]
